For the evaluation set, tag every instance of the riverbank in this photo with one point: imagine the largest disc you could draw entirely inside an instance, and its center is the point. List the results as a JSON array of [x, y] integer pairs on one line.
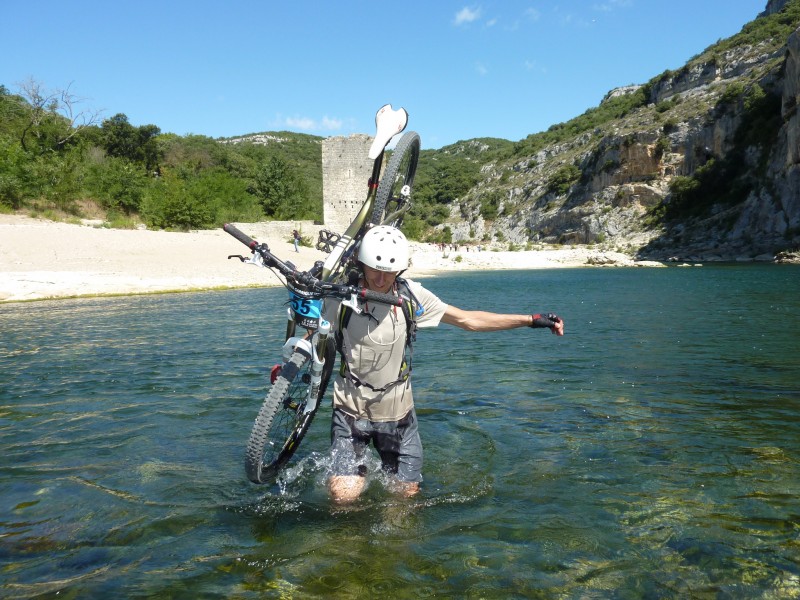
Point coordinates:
[[41, 259]]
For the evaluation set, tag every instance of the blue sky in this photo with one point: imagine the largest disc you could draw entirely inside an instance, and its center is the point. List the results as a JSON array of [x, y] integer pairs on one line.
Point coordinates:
[[499, 68]]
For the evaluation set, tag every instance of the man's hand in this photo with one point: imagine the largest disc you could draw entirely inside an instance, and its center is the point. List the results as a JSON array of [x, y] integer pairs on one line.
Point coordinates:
[[552, 321]]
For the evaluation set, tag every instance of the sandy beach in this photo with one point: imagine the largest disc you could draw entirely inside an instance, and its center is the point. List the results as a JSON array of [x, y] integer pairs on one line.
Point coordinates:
[[41, 259]]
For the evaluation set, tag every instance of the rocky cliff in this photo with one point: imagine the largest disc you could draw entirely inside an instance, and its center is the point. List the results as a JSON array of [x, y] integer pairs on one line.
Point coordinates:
[[706, 166]]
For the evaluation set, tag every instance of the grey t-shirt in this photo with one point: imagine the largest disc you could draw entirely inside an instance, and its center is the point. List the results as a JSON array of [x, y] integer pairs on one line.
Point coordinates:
[[374, 349]]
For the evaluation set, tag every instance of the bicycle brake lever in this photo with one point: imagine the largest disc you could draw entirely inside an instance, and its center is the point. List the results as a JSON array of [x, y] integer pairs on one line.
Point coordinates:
[[256, 259], [352, 302]]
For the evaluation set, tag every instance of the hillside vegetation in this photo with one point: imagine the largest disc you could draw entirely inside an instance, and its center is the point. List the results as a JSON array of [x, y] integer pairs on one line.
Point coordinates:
[[701, 161], [58, 160]]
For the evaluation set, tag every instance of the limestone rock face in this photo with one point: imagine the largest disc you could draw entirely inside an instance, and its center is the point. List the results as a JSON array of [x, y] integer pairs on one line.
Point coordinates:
[[790, 107], [737, 106], [773, 7]]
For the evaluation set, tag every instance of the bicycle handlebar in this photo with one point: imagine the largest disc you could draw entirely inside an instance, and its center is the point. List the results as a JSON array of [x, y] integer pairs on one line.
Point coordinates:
[[307, 279], [240, 235], [366, 294]]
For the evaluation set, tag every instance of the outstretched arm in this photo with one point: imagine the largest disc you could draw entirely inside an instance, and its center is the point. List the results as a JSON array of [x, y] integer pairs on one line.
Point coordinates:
[[479, 320]]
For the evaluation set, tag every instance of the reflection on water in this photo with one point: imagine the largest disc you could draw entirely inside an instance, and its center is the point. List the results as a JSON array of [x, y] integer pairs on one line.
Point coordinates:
[[651, 452]]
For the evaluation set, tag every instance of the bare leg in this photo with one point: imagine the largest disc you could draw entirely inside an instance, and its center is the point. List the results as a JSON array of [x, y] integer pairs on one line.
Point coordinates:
[[405, 489], [346, 488]]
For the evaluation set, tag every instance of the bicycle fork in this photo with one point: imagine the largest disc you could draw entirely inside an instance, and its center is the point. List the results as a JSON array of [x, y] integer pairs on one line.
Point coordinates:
[[316, 349]]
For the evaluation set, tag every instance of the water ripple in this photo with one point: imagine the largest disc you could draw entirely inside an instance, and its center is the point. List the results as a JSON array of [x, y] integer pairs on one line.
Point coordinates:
[[651, 452]]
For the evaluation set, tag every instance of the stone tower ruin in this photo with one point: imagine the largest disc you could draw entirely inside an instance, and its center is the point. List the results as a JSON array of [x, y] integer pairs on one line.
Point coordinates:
[[346, 168]]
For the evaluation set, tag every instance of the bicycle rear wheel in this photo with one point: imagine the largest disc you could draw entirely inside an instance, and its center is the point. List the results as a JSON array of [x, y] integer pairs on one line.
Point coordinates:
[[393, 197], [282, 423]]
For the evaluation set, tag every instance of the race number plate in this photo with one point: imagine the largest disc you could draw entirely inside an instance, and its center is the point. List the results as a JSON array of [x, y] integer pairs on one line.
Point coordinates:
[[307, 310]]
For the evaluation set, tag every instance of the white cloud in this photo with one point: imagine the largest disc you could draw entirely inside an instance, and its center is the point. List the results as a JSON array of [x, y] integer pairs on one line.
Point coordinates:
[[481, 69], [304, 123], [532, 65], [610, 5], [529, 15], [532, 14], [467, 15], [330, 124], [326, 124]]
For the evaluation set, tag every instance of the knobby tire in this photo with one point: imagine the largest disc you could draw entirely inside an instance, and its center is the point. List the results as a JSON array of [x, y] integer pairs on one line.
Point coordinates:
[[390, 206], [281, 423]]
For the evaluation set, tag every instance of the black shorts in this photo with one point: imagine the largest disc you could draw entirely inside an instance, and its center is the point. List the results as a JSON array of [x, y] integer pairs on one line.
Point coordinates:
[[397, 442]]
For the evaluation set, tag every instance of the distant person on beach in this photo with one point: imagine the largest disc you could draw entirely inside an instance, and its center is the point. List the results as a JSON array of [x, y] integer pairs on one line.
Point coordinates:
[[372, 398], [296, 237]]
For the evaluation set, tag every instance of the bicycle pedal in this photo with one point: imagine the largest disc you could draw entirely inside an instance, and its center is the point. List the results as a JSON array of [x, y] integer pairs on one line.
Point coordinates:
[[327, 240]]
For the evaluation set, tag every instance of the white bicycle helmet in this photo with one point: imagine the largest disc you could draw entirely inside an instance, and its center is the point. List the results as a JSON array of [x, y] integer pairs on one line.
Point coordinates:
[[384, 248]]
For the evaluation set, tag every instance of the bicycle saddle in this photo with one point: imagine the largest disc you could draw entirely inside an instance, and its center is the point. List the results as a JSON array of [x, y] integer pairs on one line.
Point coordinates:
[[388, 123]]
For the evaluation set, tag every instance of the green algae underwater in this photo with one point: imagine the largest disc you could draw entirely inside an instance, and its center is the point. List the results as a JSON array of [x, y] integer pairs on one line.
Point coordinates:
[[650, 452]]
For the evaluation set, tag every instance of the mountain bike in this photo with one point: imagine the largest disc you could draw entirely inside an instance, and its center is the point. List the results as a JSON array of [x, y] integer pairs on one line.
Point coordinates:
[[300, 381]]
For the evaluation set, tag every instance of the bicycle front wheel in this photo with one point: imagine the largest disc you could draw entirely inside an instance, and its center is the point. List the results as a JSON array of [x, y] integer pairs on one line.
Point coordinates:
[[393, 197], [282, 421]]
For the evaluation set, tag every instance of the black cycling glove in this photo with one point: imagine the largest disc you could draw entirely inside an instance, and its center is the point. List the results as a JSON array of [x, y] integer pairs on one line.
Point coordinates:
[[540, 321]]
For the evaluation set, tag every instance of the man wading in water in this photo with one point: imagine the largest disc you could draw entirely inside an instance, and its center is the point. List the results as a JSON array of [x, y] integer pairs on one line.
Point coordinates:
[[372, 398]]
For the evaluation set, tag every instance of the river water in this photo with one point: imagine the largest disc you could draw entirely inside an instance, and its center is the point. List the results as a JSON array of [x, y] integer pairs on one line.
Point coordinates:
[[653, 451]]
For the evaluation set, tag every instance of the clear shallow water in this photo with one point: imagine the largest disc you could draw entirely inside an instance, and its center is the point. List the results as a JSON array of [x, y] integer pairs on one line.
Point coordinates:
[[652, 452]]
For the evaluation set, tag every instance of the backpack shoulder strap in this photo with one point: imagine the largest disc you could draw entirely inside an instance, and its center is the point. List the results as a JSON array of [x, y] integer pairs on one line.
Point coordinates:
[[411, 309], [342, 319]]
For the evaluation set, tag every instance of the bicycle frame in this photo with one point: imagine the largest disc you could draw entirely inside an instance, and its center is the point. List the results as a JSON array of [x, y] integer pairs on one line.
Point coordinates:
[[388, 122], [337, 257], [304, 372]]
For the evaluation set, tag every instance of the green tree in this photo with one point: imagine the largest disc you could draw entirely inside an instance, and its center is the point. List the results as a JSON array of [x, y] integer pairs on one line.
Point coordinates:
[[444, 236], [445, 179], [137, 144], [14, 163], [490, 204], [192, 152], [280, 191], [53, 118], [57, 178], [169, 204], [117, 184], [563, 179], [226, 196], [414, 227]]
